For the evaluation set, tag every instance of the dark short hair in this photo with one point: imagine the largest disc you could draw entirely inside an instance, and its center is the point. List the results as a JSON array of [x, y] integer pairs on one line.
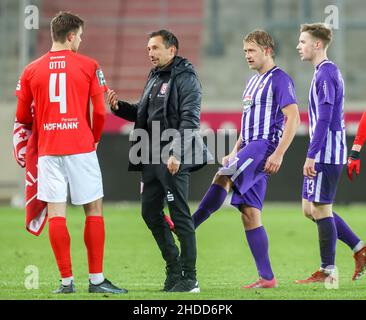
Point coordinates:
[[63, 23], [169, 39]]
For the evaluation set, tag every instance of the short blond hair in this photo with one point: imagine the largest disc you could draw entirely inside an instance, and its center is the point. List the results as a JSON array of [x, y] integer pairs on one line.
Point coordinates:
[[319, 31], [261, 38]]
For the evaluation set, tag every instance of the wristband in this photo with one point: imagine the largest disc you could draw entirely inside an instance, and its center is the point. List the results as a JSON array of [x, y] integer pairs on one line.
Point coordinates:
[[355, 155]]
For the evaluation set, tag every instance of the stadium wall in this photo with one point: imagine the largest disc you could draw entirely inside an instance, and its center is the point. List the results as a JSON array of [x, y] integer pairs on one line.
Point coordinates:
[[121, 185]]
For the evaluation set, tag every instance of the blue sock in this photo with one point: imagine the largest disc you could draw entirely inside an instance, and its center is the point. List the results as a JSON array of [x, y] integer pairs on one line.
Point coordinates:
[[345, 233], [327, 241], [212, 201], [258, 243]]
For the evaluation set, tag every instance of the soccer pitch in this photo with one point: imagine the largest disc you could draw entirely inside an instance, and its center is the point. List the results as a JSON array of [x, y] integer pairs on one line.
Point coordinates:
[[132, 259]]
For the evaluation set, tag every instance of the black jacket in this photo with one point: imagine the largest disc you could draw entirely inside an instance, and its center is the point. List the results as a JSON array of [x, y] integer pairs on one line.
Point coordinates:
[[182, 106]]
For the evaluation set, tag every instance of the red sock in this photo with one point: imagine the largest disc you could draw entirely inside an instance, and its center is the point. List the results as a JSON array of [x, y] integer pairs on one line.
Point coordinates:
[[60, 242], [94, 236]]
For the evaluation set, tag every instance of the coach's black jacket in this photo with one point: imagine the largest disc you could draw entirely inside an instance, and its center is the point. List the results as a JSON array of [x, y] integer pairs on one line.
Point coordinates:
[[182, 105]]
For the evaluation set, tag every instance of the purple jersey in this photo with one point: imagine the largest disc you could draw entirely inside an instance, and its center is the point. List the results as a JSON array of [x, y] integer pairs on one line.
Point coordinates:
[[326, 99], [263, 98]]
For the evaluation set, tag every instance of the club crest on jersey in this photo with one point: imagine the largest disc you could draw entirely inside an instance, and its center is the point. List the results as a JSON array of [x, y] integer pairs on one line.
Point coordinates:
[[261, 86], [247, 103], [163, 88], [100, 77]]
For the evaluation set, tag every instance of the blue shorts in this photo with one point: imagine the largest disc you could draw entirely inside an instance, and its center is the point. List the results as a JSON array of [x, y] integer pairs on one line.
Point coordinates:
[[323, 187], [246, 172]]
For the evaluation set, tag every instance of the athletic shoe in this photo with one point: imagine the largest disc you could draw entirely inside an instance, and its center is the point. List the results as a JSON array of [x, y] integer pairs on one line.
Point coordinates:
[[186, 285], [172, 278], [66, 289], [360, 263], [262, 283], [318, 276], [105, 287], [169, 221]]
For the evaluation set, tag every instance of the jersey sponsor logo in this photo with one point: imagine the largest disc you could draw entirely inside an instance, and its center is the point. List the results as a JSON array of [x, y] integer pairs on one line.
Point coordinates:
[[72, 125], [100, 77], [247, 103], [57, 57]]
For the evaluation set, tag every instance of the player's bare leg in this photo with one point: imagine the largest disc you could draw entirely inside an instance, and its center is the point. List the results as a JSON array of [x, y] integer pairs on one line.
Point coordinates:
[[94, 238], [306, 209], [94, 208], [60, 242], [213, 199], [258, 243]]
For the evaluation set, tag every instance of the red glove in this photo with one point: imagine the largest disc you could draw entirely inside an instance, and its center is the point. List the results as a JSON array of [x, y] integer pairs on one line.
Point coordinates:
[[353, 163]]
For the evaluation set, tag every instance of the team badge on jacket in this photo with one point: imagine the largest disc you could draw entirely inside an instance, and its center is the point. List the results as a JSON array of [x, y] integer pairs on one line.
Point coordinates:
[[163, 88]]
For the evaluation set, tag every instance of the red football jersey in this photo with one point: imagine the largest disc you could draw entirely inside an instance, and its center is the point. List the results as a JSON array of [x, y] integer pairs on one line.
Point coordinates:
[[61, 83]]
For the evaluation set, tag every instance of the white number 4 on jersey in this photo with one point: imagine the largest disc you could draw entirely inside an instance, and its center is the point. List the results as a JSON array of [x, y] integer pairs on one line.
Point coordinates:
[[61, 98]]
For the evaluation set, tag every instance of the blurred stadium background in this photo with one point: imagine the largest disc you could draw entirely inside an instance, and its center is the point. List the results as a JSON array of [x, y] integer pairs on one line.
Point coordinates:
[[210, 34]]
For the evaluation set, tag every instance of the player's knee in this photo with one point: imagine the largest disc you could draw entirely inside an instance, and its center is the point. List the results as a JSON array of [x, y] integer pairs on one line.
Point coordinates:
[[94, 208], [250, 217], [307, 213], [222, 181]]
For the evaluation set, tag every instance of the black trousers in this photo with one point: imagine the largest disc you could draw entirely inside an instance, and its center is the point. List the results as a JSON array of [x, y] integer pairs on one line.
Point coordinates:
[[160, 187]]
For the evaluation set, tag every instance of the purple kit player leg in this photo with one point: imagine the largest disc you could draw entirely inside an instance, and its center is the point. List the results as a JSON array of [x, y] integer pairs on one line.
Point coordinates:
[[326, 155], [268, 97]]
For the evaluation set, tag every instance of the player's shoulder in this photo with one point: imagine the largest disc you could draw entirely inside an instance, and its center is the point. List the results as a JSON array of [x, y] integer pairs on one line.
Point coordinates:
[[35, 64], [280, 77], [85, 60], [278, 73], [327, 68]]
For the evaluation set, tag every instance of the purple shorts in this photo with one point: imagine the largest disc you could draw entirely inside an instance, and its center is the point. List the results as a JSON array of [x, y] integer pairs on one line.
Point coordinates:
[[246, 172], [323, 187]]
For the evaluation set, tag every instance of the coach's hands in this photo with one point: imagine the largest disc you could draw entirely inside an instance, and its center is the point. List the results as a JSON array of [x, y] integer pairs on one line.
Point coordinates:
[[273, 162], [173, 165], [309, 168], [353, 163], [112, 99]]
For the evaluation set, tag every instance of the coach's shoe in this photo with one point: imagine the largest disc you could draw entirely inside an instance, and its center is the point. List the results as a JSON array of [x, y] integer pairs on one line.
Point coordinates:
[[360, 263], [105, 287], [65, 289], [186, 285], [262, 283], [173, 276], [318, 276]]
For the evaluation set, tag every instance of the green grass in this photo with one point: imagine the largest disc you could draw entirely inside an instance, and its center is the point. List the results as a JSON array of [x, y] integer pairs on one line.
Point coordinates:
[[132, 259]]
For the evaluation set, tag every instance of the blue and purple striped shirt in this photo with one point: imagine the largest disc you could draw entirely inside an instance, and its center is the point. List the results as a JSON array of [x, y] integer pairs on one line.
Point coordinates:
[[326, 119], [263, 98]]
